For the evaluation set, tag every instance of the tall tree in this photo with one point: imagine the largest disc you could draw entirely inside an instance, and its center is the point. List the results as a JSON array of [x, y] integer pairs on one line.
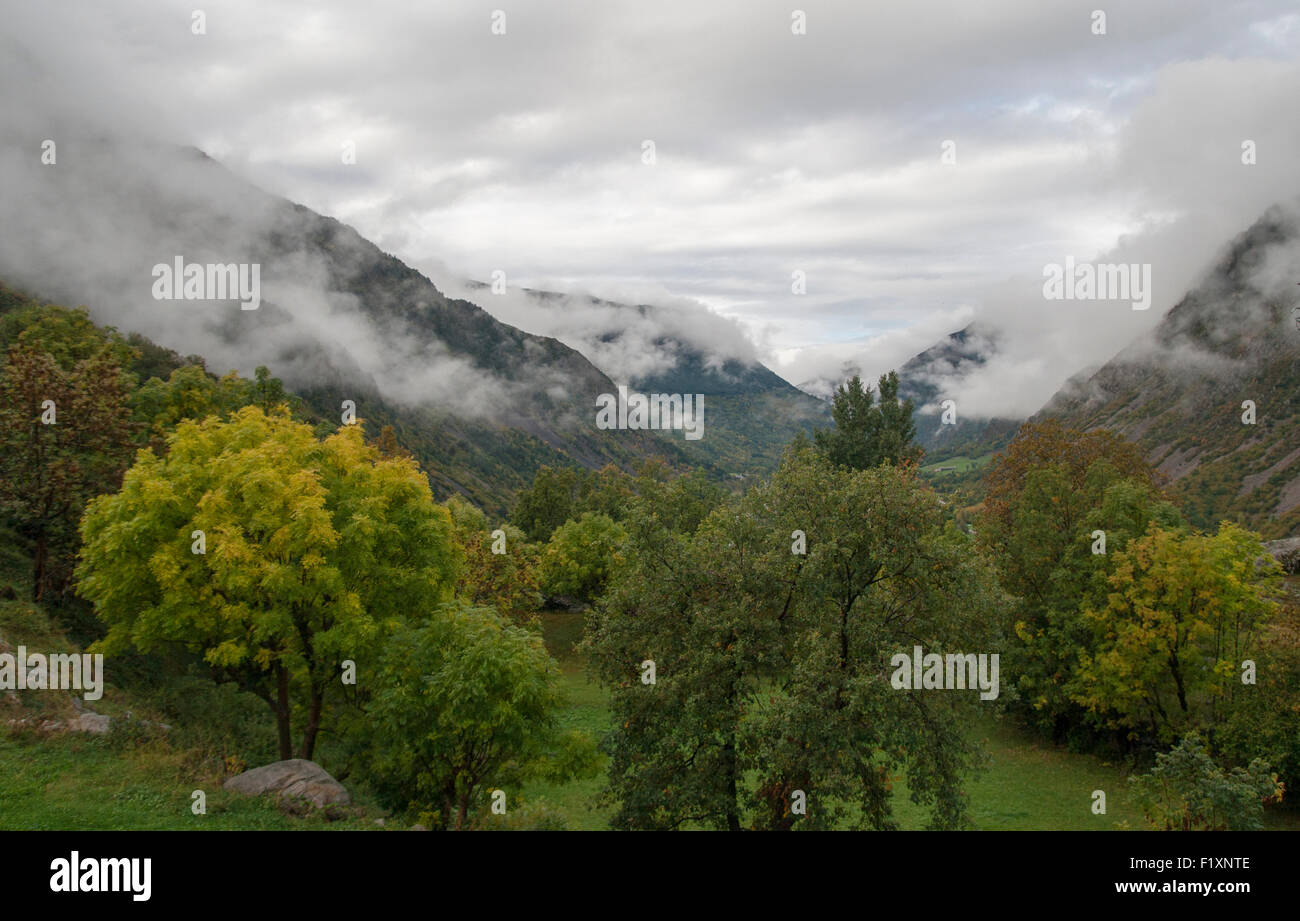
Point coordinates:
[[272, 554], [1184, 612], [868, 433], [547, 503], [1048, 496], [499, 570], [189, 392], [1073, 452], [772, 654], [580, 557], [65, 435]]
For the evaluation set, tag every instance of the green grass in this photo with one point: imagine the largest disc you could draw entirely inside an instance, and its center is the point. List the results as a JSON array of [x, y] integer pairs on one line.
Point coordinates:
[[1026, 785], [81, 782], [962, 464], [587, 710], [1032, 786], [76, 781]]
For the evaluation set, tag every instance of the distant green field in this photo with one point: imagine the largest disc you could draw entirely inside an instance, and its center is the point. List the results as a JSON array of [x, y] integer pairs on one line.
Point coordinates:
[[961, 464]]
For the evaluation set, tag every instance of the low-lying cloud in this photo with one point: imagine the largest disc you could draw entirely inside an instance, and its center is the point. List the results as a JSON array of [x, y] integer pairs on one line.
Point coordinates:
[[776, 153]]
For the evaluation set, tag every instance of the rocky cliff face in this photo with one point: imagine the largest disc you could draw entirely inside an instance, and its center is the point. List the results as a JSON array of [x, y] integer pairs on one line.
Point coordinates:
[[1213, 394]]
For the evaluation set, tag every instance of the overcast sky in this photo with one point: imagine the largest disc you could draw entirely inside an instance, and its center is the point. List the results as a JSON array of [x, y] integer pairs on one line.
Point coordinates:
[[775, 152]]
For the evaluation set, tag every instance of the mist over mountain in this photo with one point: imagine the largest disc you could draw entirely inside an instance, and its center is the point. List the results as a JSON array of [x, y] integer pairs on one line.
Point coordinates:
[[931, 378], [677, 346], [1123, 148], [1213, 392], [934, 377], [481, 402]]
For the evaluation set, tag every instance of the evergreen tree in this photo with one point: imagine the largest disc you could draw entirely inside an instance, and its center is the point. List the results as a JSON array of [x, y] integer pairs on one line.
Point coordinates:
[[868, 433]]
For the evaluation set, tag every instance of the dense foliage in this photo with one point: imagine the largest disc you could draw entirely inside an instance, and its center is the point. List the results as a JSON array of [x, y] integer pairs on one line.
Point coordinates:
[[463, 699], [744, 638], [274, 555], [771, 667]]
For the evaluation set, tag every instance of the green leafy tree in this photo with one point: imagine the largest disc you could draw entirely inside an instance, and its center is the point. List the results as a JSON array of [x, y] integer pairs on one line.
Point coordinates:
[[772, 667], [189, 392], [311, 551], [1183, 612], [1264, 720], [1048, 495], [547, 503], [1188, 791], [461, 701], [868, 432], [580, 557], [506, 581], [607, 491], [67, 336], [268, 392], [1038, 445], [65, 435], [679, 503]]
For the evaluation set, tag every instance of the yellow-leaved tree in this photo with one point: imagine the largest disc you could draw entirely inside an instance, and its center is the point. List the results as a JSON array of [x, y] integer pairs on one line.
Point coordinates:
[[273, 554], [1183, 614]]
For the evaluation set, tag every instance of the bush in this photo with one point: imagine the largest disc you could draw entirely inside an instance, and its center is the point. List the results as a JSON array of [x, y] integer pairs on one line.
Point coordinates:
[[580, 557], [1188, 791], [463, 704]]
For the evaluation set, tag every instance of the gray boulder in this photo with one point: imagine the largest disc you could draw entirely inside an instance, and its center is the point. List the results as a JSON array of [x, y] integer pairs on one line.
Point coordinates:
[[1286, 552], [90, 722], [296, 778]]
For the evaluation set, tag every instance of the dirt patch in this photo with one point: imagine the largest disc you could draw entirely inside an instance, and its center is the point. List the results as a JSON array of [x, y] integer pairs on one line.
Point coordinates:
[[1251, 483], [1289, 498], [1180, 463]]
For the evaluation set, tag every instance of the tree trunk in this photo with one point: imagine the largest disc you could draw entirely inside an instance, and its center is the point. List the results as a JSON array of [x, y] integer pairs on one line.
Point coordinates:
[[729, 756], [448, 807], [40, 558], [282, 713], [313, 720], [1177, 670]]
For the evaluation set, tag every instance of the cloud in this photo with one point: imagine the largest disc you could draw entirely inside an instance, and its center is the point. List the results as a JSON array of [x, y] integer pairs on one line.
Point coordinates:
[[630, 333], [1178, 162], [818, 153], [97, 221]]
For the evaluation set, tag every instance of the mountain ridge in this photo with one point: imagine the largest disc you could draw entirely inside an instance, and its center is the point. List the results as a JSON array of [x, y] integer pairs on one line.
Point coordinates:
[[1181, 391]]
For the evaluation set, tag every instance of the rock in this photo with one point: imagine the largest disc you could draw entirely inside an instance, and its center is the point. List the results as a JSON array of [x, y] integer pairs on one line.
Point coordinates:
[[297, 778], [40, 725], [417, 828], [379, 822], [87, 722], [295, 806], [90, 722], [1286, 552]]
